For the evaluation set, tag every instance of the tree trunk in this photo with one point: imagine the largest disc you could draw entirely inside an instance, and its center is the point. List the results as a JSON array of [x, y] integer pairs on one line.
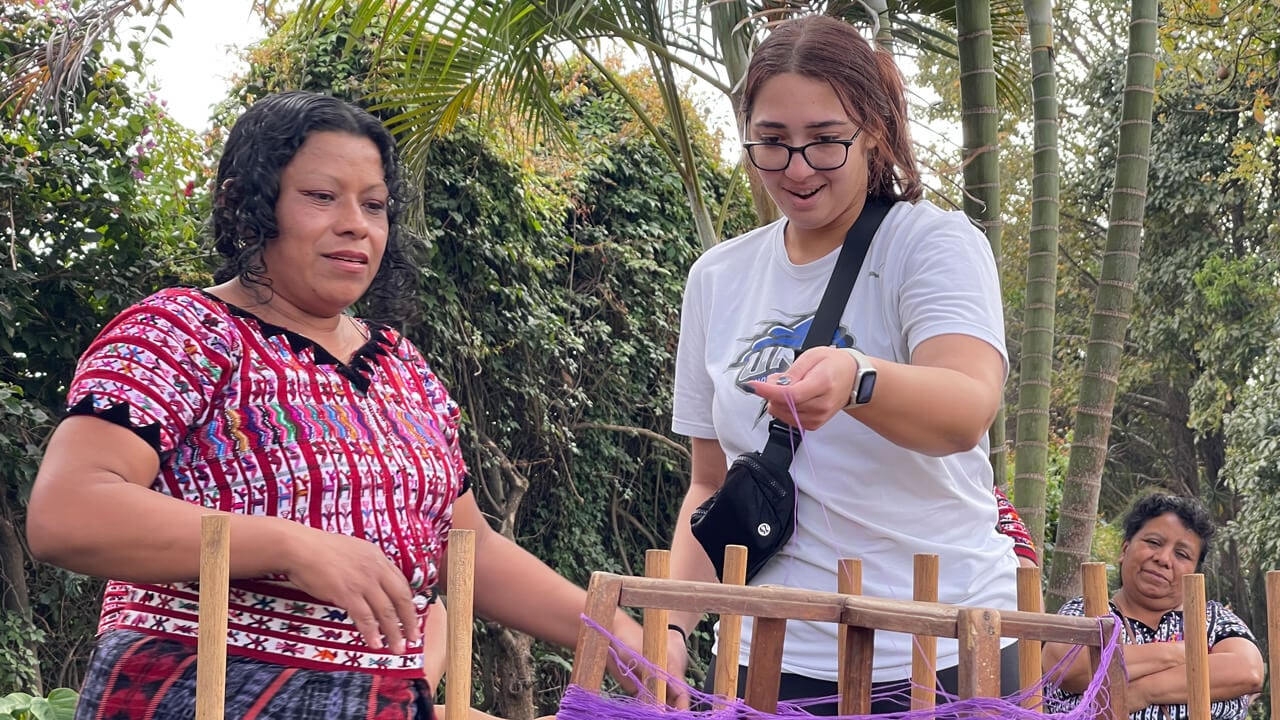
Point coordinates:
[[513, 671], [15, 599], [1111, 312], [980, 123], [1031, 456]]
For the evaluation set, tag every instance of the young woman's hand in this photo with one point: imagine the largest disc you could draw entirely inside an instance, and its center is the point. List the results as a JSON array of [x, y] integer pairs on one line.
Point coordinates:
[[817, 386]]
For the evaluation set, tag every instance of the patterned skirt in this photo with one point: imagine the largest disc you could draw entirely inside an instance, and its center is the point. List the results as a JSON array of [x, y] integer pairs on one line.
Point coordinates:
[[133, 676]]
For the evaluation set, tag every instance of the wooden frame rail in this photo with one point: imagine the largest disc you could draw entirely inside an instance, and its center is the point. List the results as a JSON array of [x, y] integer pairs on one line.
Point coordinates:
[[978, 630]]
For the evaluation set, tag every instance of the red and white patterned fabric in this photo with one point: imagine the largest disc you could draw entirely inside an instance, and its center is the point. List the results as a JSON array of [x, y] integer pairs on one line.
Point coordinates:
[[250, 418], [1010, 524]]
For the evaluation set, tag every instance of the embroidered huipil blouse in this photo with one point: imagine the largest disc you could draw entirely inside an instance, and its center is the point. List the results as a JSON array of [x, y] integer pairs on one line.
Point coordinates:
[[250, 418]]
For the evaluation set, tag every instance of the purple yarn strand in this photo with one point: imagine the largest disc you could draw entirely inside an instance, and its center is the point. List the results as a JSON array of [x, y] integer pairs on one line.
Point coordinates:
[[581, 704]]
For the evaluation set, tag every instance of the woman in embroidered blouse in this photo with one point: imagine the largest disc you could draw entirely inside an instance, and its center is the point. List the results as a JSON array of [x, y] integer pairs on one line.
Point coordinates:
[[327, 438], [1166, 537]]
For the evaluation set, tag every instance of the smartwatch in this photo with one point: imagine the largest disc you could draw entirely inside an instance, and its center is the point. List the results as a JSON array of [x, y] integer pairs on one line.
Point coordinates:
[[864, 381]]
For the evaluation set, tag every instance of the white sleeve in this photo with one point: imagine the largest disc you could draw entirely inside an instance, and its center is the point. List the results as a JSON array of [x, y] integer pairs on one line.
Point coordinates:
[[950, 284], [694, 390]]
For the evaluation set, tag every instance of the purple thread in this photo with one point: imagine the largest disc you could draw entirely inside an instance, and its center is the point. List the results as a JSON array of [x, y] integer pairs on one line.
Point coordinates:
[[581, 704], [795, 415]]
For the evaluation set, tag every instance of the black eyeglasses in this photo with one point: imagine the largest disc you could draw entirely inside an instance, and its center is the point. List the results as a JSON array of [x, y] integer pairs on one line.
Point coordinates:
[[821, 154]]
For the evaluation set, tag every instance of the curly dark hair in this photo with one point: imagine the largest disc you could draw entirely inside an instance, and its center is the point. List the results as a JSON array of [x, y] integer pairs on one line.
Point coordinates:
[[1193, 515], [261, 143]]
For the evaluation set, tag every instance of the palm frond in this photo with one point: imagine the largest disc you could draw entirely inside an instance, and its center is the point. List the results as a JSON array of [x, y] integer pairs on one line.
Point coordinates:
[[41, 76]]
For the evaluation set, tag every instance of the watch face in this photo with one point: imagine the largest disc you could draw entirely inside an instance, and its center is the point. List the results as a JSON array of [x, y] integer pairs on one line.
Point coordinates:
[[866, 385]]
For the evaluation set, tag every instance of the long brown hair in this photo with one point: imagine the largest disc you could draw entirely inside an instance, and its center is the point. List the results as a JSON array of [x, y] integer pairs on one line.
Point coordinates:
[[865, 79]]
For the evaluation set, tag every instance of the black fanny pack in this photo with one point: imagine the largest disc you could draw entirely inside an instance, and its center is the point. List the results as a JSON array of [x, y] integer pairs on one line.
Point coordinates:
[[756, 506]]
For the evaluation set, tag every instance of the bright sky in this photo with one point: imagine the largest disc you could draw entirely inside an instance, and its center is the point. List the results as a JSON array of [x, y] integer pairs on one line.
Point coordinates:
[[193, 71]]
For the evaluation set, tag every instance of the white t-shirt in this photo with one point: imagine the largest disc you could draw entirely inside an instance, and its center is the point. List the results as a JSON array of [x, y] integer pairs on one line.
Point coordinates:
[[746, 308]]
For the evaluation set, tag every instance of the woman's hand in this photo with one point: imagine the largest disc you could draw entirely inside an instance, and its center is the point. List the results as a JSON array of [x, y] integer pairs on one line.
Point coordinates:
[[355, 575], [631, 634], [817, 384], [1135, 697], [940, 403]]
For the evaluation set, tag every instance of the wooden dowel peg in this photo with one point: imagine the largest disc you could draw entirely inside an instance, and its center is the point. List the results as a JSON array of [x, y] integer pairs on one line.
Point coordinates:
[[1030, 668], [461, 613], [657, 564], [1195, 638], [924, 648], [211, 653]]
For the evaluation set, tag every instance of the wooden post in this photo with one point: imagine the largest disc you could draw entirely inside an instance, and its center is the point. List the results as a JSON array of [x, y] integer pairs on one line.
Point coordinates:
[[978, 637], [591, 655], [924, 648], [1030, 599], [211, 654], [1093, 576], [764, 669], [730, 640], [461, 611], [856, 651], [1195, 637], [1273, 635], [657, 564]]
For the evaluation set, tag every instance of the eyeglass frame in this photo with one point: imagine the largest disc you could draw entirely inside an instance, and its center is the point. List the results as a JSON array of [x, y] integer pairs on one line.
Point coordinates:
[[793, 149]]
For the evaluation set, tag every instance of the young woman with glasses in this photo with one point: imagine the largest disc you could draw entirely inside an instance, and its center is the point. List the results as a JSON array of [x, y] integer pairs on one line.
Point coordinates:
[[896, 407]]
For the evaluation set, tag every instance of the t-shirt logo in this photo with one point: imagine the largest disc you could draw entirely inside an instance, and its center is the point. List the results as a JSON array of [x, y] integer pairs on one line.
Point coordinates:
[[774, 348]]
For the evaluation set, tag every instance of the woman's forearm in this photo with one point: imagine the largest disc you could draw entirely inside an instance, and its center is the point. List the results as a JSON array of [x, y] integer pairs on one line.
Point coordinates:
[[1228, 679], [1151, 658], [688, 560], [125, 532], [1076, 677], [931, 410], [92, 512]]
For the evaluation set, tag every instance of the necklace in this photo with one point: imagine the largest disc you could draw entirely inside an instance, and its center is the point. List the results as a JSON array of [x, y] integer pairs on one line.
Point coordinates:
[[361, 330]]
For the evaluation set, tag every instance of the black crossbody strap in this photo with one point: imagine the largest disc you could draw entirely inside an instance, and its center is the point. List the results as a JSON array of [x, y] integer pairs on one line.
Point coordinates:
[[784, 439], [853, 252]]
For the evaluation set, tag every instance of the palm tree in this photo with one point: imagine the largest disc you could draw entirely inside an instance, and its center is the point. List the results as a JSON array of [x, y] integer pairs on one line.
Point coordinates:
[[1112, 306], [44, 76], [1031, 447], [980, 126], [441, 57]]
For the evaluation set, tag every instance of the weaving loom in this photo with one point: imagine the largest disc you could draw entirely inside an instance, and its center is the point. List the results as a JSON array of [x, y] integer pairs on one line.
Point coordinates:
[[978, 631]]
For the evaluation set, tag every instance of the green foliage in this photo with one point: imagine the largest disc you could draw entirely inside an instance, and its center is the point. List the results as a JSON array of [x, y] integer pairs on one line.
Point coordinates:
[[101, 206], [1253, 464], [59, 705], [99, 209], [19, 665], [335, 60]]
